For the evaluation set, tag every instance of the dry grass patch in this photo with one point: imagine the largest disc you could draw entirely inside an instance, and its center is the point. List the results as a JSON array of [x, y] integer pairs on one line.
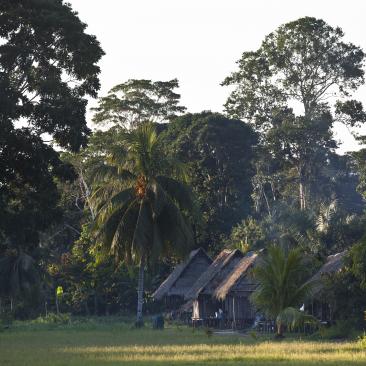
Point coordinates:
[[145, 347]]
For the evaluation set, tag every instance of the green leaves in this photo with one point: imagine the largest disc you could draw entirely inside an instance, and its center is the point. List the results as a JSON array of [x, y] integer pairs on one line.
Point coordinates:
[[305, 61], [218, 152], [137, 101], [142, 208], [49, 65], [281, 278], [294, 318]]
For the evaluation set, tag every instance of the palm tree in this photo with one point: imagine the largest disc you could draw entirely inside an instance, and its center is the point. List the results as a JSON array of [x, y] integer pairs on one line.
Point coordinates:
[[282, 288], [143, 203]]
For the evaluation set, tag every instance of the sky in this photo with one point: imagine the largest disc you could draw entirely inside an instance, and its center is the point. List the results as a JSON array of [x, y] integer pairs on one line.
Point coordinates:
[[199, 41]]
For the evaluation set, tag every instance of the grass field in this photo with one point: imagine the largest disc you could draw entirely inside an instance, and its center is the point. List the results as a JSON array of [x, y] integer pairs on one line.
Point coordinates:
[[118, 344]]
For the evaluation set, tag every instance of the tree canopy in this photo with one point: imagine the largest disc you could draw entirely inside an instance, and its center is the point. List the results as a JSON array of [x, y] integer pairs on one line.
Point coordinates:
[[48, 66], [218, 152], [136, 101]]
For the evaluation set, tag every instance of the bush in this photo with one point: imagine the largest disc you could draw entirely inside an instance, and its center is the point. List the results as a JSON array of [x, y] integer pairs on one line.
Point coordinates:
[[341, 330], [6, 320], [209, 332], [361, 340], [53, 318], [158, 321]]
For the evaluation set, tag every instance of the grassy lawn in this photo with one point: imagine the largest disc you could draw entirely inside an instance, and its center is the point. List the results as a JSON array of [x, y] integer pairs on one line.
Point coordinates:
[[115, 344]]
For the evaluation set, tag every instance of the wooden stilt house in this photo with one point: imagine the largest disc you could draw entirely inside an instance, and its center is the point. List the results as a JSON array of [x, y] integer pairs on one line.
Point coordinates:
[[235, 291], [205, 305], [321, 304], [181, 280]]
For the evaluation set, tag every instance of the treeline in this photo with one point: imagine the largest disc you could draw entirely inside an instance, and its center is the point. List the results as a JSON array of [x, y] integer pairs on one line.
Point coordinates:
[[111, 209]]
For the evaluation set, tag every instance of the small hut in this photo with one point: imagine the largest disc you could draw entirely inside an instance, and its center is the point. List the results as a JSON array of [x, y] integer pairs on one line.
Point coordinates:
[[201, 294], [235, 291], [321, 306], [180, 281]]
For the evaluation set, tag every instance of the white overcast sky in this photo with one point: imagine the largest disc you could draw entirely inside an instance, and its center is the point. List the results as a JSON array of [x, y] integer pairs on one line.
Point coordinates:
[[198, 41]]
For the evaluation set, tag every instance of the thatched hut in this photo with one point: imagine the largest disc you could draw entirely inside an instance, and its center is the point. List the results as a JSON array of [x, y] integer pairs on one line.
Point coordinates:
[[180, 281], [321, 306], [205, 305], [235, 291]]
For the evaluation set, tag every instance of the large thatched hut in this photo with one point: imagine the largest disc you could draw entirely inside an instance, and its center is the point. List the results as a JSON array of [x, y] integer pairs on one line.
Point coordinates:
[[322, 304], [181, 280], [205, 305], [235, 291]]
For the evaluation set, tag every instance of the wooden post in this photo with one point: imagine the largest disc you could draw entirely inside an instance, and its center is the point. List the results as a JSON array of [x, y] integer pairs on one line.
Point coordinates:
[[140, 292], [57, 307], [234, 320]]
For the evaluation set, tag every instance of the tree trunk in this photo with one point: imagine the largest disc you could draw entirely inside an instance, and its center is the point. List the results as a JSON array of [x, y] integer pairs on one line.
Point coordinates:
[[302, 188], [140, 293], [87, 311], [267, 202], [95, 303], [302, 195], [57, 306], [279, 333], [84, 187]]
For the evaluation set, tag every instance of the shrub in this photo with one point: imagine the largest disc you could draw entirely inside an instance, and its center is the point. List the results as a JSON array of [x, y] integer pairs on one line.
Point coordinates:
[[208, 332], [341, 330], [361, 340], [6, 320], [53, 318]]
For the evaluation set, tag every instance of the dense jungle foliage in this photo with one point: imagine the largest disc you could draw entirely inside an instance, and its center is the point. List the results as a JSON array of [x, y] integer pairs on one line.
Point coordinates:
[[95, 211]]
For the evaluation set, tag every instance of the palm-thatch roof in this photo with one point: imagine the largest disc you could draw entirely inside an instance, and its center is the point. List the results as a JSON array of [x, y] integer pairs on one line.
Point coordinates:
[[215, 273], [237, 279], [333, 264], [181, 279]]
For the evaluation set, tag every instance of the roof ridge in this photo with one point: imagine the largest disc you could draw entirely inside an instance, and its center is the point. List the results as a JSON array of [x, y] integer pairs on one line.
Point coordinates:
[[219, 263], [177, 272]]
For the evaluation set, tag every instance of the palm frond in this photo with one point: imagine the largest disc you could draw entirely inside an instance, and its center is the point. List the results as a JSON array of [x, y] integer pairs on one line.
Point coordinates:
[[178, 191], [281, 279], [294, 318]]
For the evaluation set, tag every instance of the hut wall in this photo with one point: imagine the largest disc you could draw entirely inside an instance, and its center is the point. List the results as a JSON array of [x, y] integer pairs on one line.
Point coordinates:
[[321, 309], [173, 302], [241, 305], [204, 307]]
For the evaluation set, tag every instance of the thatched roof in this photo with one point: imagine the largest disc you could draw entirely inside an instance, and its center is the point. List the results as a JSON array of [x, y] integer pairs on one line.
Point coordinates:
[[212, 274], [197, 261], [235, 280], [333, 264]]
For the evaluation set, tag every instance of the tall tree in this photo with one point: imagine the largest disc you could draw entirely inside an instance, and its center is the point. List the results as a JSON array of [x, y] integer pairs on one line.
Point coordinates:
[[219, 153], [305, 64], [142, 207], [136, 101], [48, 65]]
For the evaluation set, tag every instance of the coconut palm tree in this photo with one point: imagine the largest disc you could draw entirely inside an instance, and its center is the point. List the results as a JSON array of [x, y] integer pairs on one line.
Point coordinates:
[[282, 286], [142, 202]]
